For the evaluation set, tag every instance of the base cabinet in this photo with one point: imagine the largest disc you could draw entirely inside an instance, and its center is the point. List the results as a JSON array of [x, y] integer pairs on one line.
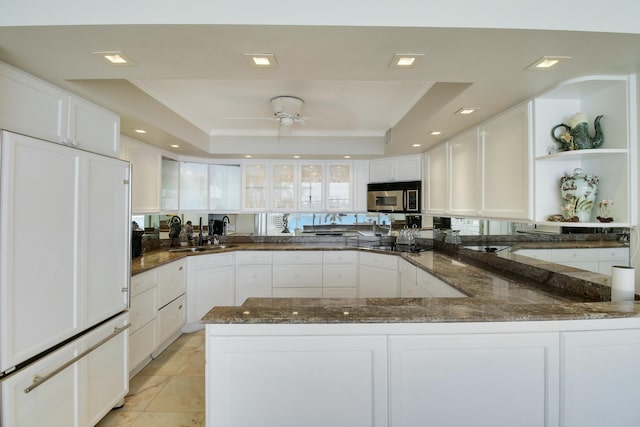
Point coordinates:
[[500, 380], [319, 381], [595, 364]]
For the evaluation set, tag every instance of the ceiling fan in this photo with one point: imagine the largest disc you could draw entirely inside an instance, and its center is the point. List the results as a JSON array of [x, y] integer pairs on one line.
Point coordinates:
[[287, 110]]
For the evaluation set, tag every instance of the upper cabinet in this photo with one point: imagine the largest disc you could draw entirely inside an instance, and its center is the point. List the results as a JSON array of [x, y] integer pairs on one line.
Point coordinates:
[[33, 107], [146, 166], [404, 168], [520, 164], [484, 171], [255, 182], [225, 188], [613, 162], [311, 187]]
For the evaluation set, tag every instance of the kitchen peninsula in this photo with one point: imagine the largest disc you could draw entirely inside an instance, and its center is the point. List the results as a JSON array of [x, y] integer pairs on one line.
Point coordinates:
[[514, 351]]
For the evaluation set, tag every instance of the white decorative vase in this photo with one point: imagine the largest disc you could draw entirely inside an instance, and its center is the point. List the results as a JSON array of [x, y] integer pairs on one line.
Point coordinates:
[[578, 192]]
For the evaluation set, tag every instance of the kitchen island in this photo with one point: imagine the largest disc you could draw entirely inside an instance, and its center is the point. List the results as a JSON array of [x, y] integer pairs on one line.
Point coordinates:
[[516, 351]]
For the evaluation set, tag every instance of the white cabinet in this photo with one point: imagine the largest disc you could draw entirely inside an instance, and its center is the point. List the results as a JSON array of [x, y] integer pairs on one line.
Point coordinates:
[[211, 282], [93, 128], [505, 155], [225, 188], [297, 274], [463, 174], [501, 380], [171, 318], [378, 276], [614, 97], [80, 394], [88, 278], [146, 166], [169, 185], [255, 181], [311, 187], [436, 180], [403, 168], [194, 186], [591, 259], [171, 281], [253, 275], [339, 195], [595, 390], [360, 181], [33, 107], [339, 274], [325, 381], [283, 186]]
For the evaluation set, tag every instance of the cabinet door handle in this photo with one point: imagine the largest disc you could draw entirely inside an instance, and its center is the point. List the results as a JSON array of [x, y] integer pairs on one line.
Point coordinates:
[[39, 380]]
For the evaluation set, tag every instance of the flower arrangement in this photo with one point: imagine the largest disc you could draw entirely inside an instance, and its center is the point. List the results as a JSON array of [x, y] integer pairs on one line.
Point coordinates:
[[603, 209]]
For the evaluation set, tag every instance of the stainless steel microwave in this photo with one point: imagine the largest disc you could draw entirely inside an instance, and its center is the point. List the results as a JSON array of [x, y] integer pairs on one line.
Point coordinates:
[[399, 197]]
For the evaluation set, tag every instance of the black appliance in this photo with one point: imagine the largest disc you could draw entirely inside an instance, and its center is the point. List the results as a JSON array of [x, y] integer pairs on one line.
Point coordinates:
[[414, 221], [136, 240]]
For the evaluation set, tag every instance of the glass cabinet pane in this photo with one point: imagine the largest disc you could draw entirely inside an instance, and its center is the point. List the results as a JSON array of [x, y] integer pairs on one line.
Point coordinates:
[[255, 186], [283, 187], [311, 187], [169, 185], [339, 187], [225, 185], [194, 186]]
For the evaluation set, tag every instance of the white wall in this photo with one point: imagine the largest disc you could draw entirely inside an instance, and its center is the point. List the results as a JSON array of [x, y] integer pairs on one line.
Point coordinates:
[[587, 15]]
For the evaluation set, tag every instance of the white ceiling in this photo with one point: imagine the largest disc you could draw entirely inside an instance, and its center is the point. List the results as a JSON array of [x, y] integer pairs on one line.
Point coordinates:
[[189, 79]]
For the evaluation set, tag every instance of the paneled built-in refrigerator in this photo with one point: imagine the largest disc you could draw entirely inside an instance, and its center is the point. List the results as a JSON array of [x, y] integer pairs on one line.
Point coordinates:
[[64, 283]]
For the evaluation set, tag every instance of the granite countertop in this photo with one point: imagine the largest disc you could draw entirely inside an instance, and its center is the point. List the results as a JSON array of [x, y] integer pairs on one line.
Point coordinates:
[[500, 287]]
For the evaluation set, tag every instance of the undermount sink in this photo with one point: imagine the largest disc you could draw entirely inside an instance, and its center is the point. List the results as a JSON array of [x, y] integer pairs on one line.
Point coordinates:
[[201, 248]]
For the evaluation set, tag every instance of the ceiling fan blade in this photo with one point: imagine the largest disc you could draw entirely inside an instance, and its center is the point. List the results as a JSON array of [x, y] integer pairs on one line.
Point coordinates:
[[251, 118]]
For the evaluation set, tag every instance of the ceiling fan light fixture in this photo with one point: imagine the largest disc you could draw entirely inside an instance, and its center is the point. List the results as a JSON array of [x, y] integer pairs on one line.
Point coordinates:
[[286, 121]]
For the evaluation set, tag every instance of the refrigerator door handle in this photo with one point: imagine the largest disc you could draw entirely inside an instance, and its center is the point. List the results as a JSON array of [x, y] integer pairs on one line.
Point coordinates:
[[38, 380]]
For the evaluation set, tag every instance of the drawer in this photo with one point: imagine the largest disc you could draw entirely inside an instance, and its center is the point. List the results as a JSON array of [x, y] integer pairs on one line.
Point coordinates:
[[340, 275], [297, 292], [574, 254], [340, 257], [609, 254], [297, 257], [212, 260], [254, 274], [141, 344], [339, 292], [297, 276], [389, 262], [143, 281], [143, 309], [171, 318], [253, 257]]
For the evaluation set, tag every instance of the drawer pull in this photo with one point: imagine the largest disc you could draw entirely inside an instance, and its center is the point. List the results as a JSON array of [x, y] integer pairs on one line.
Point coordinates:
[[39, 380]]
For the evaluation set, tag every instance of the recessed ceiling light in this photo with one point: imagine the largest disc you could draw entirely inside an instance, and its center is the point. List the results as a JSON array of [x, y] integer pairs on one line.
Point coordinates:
[[435, 132], [546, 62], [296, 157], [174, 146], [140, 131], [405, 60], [248, 156], [347, 157], [115, 57], [467, 110], [416, 145], [261, 60]]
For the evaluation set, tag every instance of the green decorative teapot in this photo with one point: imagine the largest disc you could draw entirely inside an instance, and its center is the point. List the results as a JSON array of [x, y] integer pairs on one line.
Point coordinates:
[[576, 133]]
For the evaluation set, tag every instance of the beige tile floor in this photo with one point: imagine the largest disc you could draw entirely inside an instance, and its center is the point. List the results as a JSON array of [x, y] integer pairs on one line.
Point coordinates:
[[168, 392]]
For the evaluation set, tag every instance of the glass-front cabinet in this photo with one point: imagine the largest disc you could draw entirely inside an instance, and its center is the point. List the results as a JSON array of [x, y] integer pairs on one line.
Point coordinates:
[[339, 187], [194, 186], [169, 185], [255, 185], [225, 187], [311, 179], [283, 187]]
